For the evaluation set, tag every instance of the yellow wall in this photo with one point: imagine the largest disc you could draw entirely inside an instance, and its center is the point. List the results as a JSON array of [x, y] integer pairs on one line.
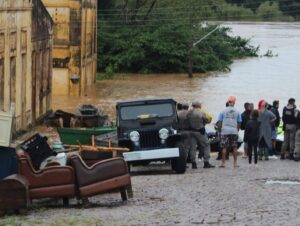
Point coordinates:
[[25, 53], [75, 23], [15, 54]]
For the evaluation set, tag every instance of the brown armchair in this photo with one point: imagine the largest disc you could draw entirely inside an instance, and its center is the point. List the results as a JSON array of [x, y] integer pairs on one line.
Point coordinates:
[[106, 175], [54, 181]]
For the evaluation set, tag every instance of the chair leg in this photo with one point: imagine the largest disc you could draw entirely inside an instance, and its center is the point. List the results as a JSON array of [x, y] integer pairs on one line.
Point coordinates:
[[129, 191], [123, 192], [65, 201]]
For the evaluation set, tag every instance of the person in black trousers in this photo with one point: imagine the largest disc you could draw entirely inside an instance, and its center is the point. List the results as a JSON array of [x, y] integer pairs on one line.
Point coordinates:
[[252, 135]]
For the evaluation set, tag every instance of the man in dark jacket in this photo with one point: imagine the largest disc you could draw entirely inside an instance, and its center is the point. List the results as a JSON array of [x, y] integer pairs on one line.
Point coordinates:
[[275, 111], [289, 126], [297, 138], [245, 118]]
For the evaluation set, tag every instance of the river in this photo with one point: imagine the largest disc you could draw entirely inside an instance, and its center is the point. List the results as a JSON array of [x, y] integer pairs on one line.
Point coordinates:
[[250, 79]]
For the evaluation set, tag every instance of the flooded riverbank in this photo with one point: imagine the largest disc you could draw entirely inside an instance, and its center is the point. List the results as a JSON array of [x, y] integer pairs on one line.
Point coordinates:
[[250, 79]]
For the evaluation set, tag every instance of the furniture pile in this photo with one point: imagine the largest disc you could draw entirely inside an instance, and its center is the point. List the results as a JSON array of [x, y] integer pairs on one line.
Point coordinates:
[[75, 179]]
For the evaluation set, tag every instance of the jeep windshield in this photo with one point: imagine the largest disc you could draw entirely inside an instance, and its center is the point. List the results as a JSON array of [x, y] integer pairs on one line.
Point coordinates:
[[147, 111]]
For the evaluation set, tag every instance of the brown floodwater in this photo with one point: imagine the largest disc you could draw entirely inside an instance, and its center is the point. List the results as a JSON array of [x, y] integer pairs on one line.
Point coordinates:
[[250, 79]]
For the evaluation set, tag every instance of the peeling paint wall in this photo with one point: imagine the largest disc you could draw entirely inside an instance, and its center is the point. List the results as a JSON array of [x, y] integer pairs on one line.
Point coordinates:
[[75, 25], [16, 46], [42, 44], [15, 54]]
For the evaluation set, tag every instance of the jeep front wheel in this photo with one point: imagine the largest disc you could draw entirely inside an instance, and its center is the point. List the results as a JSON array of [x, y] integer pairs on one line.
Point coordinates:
[[179, 163]]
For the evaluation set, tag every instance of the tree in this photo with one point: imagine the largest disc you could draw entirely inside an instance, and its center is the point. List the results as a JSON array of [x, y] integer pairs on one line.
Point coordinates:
[[157, 37], [291, 7], [251, 4]]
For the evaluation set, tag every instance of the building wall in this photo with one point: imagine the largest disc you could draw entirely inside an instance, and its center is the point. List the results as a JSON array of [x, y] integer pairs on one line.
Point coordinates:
[[15, 60], [75, 23], [17, 47], [42, 44]]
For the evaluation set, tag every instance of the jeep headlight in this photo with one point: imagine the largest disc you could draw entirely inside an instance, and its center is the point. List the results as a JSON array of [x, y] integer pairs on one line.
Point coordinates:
[[134, 136], [163, 134]]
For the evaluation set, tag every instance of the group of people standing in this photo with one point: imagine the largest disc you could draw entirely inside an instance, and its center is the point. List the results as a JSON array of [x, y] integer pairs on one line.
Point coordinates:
[[260, 126], [261, 130]]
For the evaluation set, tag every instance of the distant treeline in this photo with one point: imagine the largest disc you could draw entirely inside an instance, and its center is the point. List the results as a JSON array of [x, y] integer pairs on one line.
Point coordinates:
[[157, 36], [273, 9]]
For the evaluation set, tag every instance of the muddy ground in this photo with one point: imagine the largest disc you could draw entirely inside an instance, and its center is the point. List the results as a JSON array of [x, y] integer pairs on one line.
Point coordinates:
[[199, 197]]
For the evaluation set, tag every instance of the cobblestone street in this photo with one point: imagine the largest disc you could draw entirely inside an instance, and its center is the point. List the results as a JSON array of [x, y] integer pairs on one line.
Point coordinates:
[[198, 197]]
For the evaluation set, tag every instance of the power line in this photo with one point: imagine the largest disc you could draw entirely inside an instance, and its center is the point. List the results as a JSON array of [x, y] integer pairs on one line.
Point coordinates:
[[188, 8], [213, 17]]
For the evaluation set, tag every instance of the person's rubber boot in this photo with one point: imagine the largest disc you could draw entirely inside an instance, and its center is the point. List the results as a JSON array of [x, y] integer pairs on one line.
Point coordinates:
[[282, 156], [194, 165], [260, 154], [266, 154], [208, 165], [291, 157], [296, 158]]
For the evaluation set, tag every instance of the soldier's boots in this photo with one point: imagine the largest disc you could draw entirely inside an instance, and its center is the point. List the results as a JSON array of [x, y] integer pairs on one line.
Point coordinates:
[[260, 154], [282, 156], [291, 156], [194, 165], [208, 165]]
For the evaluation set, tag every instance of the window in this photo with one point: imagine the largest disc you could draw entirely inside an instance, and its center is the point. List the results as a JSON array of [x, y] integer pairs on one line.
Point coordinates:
[[147, 111]]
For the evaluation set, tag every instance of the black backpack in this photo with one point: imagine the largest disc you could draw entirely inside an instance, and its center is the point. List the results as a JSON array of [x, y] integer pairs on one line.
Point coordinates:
[[298, 119]]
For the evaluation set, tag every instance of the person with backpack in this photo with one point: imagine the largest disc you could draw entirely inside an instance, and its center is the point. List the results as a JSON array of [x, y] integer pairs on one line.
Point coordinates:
[[297, 137], [289, 127]]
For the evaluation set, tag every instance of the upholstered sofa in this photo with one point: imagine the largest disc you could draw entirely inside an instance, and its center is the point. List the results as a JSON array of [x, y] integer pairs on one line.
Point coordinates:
[[54, 181], [106, 175], [75, 180]]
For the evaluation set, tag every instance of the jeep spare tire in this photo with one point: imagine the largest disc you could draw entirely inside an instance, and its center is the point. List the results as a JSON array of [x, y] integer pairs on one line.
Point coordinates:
[[179, 163]]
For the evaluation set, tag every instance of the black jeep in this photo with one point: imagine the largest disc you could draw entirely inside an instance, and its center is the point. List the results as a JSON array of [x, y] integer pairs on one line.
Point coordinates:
[[147, 128]]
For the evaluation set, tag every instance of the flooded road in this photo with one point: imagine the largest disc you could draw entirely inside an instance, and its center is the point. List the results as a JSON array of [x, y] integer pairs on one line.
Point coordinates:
[[250, 79]]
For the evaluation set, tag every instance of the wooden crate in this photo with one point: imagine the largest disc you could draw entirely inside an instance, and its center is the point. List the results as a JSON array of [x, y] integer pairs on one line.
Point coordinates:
[[14, 194]]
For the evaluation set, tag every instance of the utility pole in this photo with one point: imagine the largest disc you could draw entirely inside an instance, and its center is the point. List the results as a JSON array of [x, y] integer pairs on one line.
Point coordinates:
[[191, 49], [191, 46]]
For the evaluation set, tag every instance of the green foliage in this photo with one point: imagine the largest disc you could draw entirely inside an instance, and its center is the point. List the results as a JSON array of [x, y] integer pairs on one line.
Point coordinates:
[[269, 11], [290, 7], [142, 39], [250, 4], [270, 53], [234, 12]]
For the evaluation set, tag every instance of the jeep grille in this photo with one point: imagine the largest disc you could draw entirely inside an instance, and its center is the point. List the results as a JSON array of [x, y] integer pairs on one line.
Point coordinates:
[[149, 139]]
